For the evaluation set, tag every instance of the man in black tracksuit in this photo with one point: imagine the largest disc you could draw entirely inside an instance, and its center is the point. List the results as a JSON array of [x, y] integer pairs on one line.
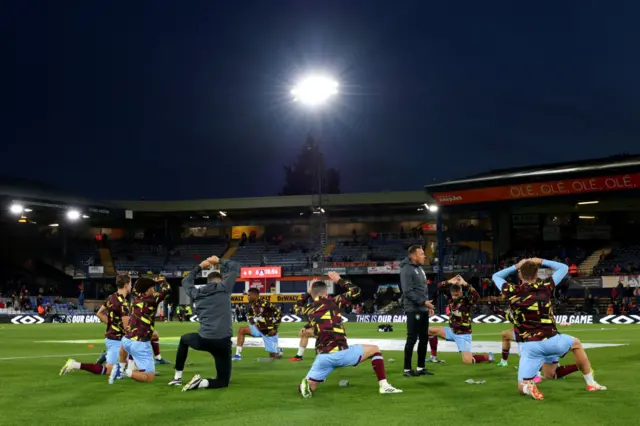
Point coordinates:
[[418, 309]]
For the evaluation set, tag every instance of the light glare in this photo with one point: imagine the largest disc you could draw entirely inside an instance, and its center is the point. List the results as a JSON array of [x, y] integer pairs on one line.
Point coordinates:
[[314, 90], [73, 214], [16, 209]]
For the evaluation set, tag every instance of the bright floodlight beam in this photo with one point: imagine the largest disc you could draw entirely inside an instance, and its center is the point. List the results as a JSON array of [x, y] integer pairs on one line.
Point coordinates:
[[16, 209], [314, 90], [73, 215]]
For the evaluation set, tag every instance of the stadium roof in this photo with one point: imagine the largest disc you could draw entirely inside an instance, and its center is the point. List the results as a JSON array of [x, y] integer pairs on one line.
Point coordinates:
[[17, 189], [618, 175], [225, 204], [541, 172]]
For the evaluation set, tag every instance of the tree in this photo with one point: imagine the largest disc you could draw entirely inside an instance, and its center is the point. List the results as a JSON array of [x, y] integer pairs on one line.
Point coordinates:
[[301, 177]]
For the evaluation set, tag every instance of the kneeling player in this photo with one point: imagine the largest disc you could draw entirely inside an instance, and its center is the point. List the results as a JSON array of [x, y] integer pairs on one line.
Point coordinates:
[[460, 297], [115, 313], [305, 333], [331, 340], [540, 343], [264, 318], [137, 341]]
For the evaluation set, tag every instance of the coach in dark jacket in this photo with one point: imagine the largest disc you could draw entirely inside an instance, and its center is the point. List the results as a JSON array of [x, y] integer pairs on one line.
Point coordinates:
[[417, 307]]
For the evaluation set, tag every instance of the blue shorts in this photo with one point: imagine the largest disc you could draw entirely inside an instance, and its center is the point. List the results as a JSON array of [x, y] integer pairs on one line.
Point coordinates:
[[463, 341], [326, 363], [534, 354], [113, 350], [142, 354], [270, 342]]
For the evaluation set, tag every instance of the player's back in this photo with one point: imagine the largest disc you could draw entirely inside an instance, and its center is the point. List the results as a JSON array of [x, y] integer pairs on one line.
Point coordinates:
[[324, 315], [142, 320], [531, 306], [117, 307]]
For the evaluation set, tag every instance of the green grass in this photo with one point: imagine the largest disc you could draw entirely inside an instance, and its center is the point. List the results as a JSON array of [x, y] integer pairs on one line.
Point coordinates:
[[265, 393]]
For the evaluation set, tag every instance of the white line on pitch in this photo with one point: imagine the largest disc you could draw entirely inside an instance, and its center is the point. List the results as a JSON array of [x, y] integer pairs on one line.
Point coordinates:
[[569, 329], [47, 356]]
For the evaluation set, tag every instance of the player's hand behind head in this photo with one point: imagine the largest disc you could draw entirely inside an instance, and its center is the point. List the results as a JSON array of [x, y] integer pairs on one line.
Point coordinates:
[[334, 276], [205, 264], [214, 260]]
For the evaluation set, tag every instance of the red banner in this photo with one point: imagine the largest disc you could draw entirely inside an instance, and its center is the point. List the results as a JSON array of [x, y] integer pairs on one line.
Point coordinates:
[[543, 189], [261, 272], [351, 264], [259, 284]]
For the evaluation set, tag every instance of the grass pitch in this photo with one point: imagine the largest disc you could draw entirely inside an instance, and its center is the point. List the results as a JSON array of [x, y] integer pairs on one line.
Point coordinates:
[[265, 393]]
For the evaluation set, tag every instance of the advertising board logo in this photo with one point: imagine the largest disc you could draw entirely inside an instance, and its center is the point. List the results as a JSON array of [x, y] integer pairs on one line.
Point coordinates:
[[620, 319], [291, 318], [27, 319]]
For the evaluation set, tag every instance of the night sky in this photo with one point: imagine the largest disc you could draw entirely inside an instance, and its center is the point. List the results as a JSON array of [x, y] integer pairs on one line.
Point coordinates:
[[190, 99]]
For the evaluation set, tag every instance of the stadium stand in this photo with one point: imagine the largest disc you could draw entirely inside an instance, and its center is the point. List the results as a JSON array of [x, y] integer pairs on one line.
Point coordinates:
[[183, 257], [292, 255], [626, 258]]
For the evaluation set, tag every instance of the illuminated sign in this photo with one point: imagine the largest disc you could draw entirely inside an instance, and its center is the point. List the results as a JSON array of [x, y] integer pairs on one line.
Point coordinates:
[[261, 272], [543, 189]]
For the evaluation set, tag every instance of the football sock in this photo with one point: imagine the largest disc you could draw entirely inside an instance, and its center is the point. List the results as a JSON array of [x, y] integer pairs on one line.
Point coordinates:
[[565, 370], [433, 343], [480, 358], [93, 368], [377, 362]]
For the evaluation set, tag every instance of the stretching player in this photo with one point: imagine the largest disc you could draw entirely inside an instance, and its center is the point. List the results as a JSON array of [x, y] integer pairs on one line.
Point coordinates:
[[331, 339], [115, 313], [137, 341], [460, 297], [264, 319], [306, 332], [540, 343]]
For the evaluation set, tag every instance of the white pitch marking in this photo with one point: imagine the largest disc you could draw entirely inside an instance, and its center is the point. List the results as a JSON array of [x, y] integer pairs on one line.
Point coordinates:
[[384, 344], [46, 356], [567, 328]]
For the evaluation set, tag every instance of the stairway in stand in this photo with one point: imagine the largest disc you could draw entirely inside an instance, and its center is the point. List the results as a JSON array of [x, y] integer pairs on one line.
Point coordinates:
[[107, 261], [586, 267], [233, 247]]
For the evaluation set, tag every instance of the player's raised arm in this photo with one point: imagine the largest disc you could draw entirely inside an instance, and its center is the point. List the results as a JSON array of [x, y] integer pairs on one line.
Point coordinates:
[[500, 277], [347, 297], [560, 270], [232, 270], [165, 290], [189, 281], [471, 294]]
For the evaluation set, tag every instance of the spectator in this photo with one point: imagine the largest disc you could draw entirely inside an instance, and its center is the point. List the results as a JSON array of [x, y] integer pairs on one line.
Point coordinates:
[[620, 292]]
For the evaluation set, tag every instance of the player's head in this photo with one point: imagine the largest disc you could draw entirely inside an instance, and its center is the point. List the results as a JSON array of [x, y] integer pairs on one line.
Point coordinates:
[[416, 255], [528, 272], [144, 285], [456, 292], [319, 289], [254, 295], [123, 282], [214, 277]]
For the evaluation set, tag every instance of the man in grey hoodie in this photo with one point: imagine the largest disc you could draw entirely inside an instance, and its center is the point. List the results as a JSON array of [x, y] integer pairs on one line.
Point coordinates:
[[418, 309], [213, 308]]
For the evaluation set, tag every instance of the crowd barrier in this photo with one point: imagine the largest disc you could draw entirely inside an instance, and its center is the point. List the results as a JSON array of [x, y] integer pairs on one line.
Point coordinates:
[[30, 319]]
